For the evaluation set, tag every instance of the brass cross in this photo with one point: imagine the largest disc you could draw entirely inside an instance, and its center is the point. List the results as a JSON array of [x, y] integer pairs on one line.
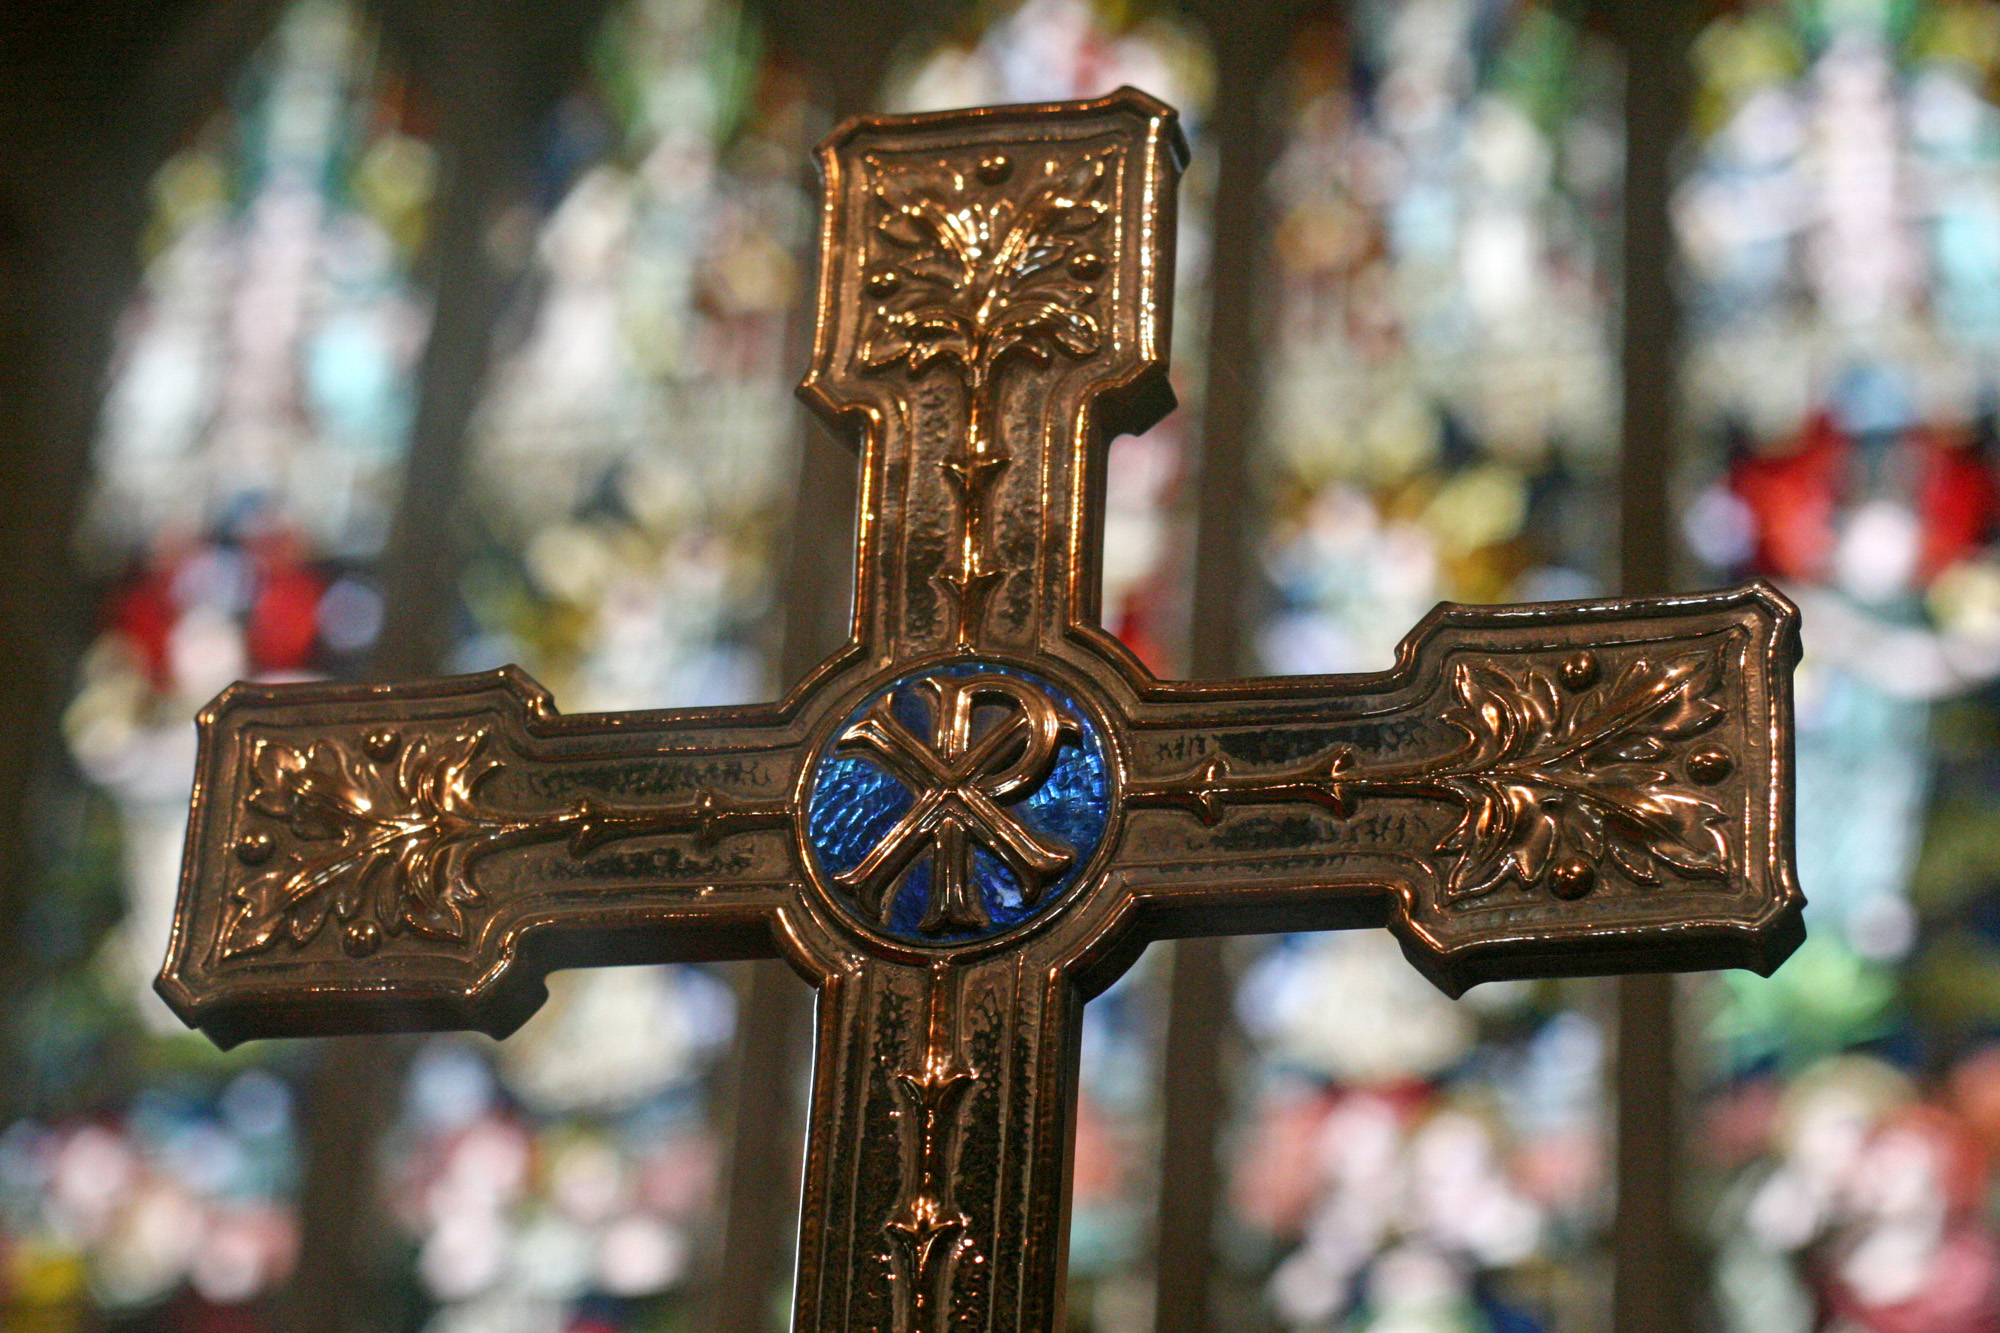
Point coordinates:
[[976, 814]]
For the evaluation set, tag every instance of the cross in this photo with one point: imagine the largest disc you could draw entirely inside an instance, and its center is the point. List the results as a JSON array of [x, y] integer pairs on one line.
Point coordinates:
[[976, 814]]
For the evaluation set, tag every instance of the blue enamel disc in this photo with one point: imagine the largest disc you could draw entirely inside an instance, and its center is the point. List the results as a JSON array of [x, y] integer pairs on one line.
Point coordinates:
[[958, 802]]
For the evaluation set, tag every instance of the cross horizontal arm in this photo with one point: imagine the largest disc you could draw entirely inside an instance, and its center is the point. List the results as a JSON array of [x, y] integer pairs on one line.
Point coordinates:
[[1563, 789], [365, 858]]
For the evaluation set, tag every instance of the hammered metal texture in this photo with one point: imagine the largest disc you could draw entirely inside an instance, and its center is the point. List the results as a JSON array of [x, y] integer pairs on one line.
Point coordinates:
[[978, 812]]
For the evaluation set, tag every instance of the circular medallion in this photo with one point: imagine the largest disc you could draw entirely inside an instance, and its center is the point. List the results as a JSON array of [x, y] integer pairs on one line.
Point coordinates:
[[957, 803]]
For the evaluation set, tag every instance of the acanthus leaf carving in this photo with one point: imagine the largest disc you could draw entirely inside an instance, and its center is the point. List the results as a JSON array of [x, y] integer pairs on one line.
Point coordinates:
[[385, 840], [972, 274], [1557, 776], [403, 833], [1546, 785]]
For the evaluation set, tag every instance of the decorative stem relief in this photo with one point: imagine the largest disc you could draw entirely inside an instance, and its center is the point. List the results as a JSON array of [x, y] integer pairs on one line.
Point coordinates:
[[1559, 775], [928, 1228], [971, 267], [385, 840]]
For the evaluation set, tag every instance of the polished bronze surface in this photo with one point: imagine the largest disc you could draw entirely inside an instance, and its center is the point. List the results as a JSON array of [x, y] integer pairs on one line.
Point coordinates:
[[975, 814]]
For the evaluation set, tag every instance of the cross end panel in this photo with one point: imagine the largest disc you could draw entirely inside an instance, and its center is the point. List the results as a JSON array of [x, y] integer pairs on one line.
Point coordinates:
[[1622, 797], [1566, 789], [417, 857], [994, 301]]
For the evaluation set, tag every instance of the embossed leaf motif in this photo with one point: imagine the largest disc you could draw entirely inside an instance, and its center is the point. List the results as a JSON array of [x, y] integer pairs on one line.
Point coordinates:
[[974, 273], [1550, 780], [386, 845]]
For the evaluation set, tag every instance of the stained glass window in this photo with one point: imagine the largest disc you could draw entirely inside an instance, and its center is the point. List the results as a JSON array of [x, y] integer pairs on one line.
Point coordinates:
[[1440, 418], [630, 468], [1837, 220], [1440, 421], [567, 1175], [636, 446], [247, 453]]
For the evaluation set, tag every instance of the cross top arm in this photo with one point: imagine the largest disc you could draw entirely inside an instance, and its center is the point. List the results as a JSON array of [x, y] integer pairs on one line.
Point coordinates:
[[995, 302]]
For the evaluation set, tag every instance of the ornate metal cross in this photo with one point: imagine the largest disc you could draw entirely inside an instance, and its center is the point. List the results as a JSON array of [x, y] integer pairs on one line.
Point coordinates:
[[977, 813]]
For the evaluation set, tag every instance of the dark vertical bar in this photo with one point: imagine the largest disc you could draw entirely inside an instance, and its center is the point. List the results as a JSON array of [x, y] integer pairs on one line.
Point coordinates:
[[1190, 1173], [336, 1286], [1247, 60], [842, 55], [761, 1184], [420, 561], [1653, 1278], [355, 1080], [1655, 111], [1247, 42], [843, 52], [92, 111], [490, 71]]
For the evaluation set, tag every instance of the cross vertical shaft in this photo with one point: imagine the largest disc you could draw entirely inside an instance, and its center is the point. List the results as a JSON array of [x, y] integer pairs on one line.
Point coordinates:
[[952, 1219]]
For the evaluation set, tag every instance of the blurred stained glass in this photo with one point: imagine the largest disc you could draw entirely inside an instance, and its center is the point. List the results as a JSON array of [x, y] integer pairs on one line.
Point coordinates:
[[566, 1178], [1441, 402], [628, 465], [1837, 222], [631, 464], [636, 443], [248, 451], [1440, 421]]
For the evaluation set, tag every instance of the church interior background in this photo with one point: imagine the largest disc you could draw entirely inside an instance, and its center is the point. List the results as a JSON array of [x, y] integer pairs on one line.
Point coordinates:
[[349, 338]]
